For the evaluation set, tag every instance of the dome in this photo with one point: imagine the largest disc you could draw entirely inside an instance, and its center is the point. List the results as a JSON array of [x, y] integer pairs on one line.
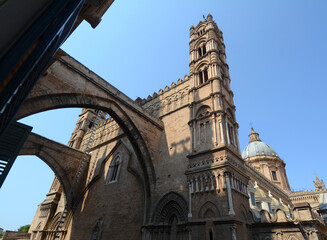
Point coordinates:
[[256, 147]]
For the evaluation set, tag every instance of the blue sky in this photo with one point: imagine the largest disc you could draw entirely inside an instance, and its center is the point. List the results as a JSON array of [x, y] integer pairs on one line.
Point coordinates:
[[276, 51]]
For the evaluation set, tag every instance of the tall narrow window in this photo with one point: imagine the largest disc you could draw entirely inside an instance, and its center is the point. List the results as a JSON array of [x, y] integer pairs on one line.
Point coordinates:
[[274, 175], [205, 73], [200, 78], [200, 52], [230, 133], [204, 50], [114, 169]]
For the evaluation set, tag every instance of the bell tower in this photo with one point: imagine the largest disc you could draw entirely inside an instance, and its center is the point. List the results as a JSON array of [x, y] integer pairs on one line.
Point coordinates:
[[84, 122], [216, 174], [212, 116]]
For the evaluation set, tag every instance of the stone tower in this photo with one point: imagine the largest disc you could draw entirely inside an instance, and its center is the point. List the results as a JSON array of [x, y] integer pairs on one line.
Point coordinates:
[[216, 172], [84, 122], [264, 159], [211, 99]]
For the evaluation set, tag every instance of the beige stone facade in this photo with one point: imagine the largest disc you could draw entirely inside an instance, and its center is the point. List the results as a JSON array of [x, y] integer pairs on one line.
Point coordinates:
[[171, 168]]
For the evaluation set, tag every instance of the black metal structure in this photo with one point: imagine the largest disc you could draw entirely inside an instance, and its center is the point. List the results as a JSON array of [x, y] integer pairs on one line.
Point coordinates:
[[22, 65], [10, 144]]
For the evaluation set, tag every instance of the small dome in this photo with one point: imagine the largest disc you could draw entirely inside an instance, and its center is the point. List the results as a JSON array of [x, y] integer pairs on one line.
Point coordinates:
[[256, 147]]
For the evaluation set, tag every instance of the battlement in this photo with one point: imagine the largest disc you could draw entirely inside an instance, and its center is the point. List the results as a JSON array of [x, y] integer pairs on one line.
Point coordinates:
[[142, 101]]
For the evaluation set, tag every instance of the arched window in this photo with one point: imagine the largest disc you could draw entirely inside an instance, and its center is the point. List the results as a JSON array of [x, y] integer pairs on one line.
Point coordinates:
[[274, 175], [205, 75], [204, 125], [204, 50], [200, 52], [200, 78], [114, 169]]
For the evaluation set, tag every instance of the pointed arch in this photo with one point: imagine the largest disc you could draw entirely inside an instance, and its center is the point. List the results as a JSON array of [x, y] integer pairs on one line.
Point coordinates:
[[97, 230], [203, 111], [209, 210], [54, 222], [169, 206]]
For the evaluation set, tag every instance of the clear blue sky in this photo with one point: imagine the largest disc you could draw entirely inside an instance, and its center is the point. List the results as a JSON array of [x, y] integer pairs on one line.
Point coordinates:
[[276, 51]]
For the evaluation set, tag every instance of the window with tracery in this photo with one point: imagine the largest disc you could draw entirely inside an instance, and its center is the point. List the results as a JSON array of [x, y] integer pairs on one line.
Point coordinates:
[[203, 76], [114, 170], [204, 125], [202, 50]]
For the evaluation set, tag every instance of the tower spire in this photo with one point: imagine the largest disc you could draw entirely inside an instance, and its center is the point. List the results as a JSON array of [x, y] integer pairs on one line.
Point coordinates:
[[319, 184]]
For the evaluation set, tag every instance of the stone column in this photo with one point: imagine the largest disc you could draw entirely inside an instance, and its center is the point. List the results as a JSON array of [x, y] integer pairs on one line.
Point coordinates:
[[207, 184], [199, 133], [229, 196], [237, 141], [232, 182], [233, 231], [191, 131], [212, 184], [194, 130], [214, 128], [222, 134], [223, 182], [190, 200], [196, 185], [227, 132], [217, 181]]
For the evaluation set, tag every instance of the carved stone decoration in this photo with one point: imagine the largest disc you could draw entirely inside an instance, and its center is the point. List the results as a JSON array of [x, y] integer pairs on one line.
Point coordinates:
[[209, 210], [169, 205]]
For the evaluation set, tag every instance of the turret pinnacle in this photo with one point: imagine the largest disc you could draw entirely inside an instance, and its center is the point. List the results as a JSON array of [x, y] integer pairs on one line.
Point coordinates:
[[254, 136], [319, 184]]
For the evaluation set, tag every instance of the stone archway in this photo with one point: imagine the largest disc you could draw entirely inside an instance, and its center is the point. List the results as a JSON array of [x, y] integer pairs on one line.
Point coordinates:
[[62, 160], [67, 83]]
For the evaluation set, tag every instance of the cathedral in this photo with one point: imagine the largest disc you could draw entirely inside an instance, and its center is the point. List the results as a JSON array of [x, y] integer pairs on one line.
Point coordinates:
[[201, 186]]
